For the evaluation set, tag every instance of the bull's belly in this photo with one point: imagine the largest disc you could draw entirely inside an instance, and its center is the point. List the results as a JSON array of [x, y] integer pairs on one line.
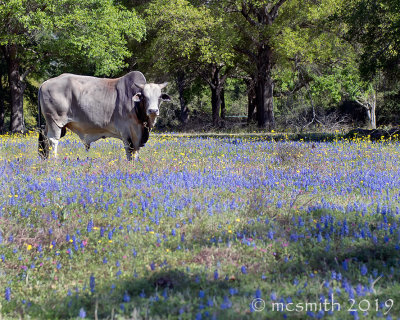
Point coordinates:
[[89, 133]]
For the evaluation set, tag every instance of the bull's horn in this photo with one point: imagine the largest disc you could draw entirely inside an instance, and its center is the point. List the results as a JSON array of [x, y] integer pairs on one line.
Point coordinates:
[[163, 85]]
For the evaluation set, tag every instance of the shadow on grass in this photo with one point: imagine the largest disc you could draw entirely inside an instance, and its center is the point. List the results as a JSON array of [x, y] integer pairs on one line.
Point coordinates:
[[179, 292], [163, 294]]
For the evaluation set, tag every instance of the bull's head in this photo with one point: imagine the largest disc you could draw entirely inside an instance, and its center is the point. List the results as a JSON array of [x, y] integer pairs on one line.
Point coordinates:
[[151, 96]]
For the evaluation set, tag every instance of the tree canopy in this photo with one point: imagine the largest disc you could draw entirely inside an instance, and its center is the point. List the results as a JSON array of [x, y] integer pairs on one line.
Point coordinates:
[[288, 54], [54, 36]]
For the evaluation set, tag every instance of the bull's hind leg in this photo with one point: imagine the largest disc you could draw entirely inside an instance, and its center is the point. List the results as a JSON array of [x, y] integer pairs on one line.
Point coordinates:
[[54, 135], [43, 144]]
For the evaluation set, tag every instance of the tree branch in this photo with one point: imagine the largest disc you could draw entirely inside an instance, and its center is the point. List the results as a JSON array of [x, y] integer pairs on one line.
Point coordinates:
[[245, 14], [274, 11], [362, 104], [25, 74], [247, 52]]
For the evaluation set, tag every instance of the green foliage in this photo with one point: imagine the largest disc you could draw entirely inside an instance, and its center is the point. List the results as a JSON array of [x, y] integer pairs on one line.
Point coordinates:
[[188, 35], [319, 47], [375, 24], [69, 32], [337, 83]]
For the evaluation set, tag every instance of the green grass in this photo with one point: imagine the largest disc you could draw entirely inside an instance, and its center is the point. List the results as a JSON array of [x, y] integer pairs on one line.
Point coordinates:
[[191, 207]]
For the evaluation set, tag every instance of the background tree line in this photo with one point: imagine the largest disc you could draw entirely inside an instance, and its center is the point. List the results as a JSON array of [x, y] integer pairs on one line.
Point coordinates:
[[286, 64]]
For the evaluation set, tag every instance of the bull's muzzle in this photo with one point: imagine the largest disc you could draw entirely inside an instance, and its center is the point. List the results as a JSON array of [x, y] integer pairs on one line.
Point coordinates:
[[153, 112]]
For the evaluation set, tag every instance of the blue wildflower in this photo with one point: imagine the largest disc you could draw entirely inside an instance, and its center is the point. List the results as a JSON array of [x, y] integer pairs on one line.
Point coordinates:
[[7, 293], [89, 227], [126, 298], [82, 313], [364, 270], [92, 283], [226, 304], [345, 265], [216, 275]]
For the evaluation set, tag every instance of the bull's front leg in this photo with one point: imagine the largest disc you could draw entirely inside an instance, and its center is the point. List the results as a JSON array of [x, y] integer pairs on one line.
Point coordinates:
[[131, 151]]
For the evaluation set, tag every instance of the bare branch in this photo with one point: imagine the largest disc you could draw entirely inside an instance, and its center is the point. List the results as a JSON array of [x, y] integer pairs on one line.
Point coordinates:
[[25, 74], [365, 105], [245, 12], [274, 11]]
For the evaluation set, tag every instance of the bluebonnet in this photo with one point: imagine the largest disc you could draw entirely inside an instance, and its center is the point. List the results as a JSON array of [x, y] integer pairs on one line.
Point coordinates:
[[82, 313], [92, 283], [7, 293]]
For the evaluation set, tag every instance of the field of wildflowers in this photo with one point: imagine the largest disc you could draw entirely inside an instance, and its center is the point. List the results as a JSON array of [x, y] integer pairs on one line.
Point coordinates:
[[229, 228]]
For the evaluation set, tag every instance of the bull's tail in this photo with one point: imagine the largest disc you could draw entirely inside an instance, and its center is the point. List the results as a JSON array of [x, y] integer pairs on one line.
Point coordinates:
[[43, 144]]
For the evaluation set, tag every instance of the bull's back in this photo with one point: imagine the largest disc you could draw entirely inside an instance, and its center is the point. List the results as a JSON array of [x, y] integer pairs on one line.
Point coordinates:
[[74, 98]]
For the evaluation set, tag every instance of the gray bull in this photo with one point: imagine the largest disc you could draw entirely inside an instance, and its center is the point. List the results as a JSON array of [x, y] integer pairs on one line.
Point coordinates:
[[125, 108]]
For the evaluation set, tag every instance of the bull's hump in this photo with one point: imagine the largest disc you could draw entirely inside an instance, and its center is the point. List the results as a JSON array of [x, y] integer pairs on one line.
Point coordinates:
[[110, 83]]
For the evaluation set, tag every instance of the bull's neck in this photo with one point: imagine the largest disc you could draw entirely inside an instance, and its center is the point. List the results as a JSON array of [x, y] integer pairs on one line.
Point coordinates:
[[141, 112], [142, 117]]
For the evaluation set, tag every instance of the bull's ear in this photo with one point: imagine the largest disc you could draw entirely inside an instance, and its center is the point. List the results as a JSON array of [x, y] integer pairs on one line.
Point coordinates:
[[136, 97], [163, 85], [139, 85], [165, 97]]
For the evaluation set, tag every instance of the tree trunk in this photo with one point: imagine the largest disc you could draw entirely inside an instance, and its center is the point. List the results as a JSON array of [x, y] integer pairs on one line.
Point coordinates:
[[216, 88], [223, 106], [265, 88], [180, 82], [372, 111], [2, 106], [373, 119], [17, 88], [369, 103], [216, 106], [251, 101]]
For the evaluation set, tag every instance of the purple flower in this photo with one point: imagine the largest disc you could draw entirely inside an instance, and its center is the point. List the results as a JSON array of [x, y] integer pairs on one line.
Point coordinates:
[[364, 270], [7, 293], [126, 298], [226, 304], [216, 275], [89, 227], [82, 313], [92, 283]]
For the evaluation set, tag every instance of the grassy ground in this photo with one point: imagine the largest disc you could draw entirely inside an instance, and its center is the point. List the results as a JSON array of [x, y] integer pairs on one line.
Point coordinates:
[[200, 228]]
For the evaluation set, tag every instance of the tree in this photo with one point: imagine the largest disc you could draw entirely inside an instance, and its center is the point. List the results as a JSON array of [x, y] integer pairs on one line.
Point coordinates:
[[260, 16], [375, 25], [196, 40], [276, 33], [62, 35], [3, 93]]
